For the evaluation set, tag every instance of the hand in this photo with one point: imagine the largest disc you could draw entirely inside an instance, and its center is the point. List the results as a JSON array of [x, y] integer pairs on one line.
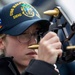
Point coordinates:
[[49, 48]]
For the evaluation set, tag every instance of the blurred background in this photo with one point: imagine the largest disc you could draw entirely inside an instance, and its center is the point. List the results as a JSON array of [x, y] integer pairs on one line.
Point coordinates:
[[40, 5]]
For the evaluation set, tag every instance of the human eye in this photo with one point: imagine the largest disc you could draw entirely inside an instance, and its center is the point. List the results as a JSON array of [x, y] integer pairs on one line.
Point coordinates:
[[24, 37], [24, 34]]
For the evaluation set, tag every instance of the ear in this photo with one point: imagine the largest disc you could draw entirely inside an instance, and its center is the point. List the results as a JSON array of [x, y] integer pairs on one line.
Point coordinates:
[[1, 44]]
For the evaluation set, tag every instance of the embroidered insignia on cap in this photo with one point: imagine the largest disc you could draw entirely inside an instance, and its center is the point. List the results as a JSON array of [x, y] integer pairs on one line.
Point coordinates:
[[26, 9]]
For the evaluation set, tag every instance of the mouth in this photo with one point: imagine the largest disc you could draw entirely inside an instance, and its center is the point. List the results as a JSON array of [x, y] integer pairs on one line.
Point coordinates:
[[31, 53]]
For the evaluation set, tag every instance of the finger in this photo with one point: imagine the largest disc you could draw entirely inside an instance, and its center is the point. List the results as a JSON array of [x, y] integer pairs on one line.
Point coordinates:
[[56, 45], [49, 35], [53, 40], [59, 51]]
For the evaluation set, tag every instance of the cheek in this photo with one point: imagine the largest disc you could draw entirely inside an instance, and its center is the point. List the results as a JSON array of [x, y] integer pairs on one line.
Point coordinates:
[[18, 52], [15, 49]]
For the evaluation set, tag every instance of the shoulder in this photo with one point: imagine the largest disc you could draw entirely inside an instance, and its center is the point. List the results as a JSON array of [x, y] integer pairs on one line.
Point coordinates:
[[7, 66]]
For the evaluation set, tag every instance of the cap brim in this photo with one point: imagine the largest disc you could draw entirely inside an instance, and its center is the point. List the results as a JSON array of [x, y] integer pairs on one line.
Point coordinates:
[[20, 28]]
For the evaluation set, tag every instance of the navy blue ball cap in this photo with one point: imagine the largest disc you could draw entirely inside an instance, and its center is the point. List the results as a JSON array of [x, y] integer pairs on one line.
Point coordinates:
[[17, 17]]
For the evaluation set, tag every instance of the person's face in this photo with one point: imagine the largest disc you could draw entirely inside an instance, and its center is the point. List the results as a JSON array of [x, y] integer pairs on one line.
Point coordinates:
[[22, 55]]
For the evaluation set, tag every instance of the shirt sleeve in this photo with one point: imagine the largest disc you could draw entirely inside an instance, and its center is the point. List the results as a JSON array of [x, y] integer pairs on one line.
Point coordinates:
[[38, 67]]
